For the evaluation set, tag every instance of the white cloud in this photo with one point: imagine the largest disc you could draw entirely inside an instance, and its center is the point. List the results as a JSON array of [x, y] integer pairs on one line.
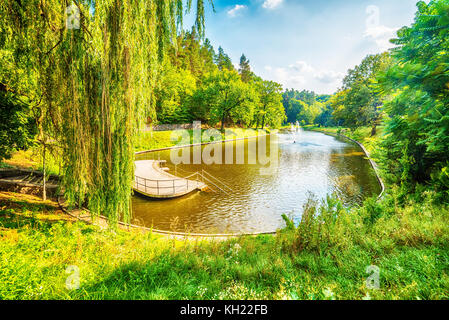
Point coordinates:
[[301, 75], [238, 8], [328, 76], [301, 66], [381, 35], [286, 77], [272, 4]]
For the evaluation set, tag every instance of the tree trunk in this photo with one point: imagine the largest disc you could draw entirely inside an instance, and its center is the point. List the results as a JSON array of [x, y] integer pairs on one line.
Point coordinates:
[[263, 122], [44, 188], [374, 130], [222, 122]]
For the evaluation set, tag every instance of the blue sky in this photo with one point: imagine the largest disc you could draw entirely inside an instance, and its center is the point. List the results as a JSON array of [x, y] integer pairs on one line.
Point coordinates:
[[305, 44]]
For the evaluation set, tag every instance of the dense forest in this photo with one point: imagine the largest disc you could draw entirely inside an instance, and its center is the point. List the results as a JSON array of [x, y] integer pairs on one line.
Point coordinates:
[[307, 107], [198, 83]]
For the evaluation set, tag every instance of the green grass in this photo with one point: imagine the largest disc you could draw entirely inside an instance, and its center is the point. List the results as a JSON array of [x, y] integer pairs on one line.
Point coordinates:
[[325, 257], [32, 159]]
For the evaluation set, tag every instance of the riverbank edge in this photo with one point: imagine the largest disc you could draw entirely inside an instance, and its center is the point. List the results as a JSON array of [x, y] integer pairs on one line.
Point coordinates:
[[200, 144], [102, 222], [368, 156]]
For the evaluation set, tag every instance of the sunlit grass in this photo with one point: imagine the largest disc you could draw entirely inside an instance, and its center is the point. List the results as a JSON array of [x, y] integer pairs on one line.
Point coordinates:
[[32, 159], [361, 134], [323, 258], [149, 140]]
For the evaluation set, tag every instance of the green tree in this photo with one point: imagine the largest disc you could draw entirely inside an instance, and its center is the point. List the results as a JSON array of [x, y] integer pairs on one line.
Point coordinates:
[[337, 103], [303, 106], [93, 84], [245, 69], [18, 126], [362, 101], [270, 109], [310, 112], [223, 61], [190, 54], [416, 142], [325, 118], [17, 130], [226, 98], [173, 94]]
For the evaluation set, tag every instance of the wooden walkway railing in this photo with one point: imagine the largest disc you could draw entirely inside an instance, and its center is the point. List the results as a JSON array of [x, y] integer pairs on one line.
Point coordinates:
[[166, 187]]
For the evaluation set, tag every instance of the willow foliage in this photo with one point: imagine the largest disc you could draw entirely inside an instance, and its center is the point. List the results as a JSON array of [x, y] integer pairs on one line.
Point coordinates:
[[94, 84]]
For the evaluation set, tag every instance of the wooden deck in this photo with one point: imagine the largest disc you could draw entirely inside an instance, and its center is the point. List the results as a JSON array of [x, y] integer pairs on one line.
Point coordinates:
[[153, 181]]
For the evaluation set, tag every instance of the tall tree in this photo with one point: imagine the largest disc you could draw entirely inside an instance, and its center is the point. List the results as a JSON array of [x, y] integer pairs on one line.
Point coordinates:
[[362, 104], [223, 61], [270, 109], [245, 69], [173, 93], [303, 106], [17, 129]]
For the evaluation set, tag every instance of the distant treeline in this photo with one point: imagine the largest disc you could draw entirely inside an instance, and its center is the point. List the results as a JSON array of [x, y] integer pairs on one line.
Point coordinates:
[[356, 104], [306, 107]]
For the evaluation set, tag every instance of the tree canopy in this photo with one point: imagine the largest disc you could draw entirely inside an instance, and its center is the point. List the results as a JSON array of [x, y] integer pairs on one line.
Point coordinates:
[[359, 102], [227, 98], [417, 87], [245, 69], [303, 106]]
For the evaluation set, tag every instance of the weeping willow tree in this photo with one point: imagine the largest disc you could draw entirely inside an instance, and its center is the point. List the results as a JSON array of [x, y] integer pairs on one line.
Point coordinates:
[[94, 79]]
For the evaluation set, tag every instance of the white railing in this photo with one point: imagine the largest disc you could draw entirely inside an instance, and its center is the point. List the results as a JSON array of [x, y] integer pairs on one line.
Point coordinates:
[[172, 186], [177, 185]]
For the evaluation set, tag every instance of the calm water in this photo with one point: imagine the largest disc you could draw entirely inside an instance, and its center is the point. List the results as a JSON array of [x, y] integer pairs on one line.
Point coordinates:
[[309, 163]]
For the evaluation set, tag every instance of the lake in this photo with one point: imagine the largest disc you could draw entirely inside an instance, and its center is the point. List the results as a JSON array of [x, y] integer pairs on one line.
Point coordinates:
[[310, 164]]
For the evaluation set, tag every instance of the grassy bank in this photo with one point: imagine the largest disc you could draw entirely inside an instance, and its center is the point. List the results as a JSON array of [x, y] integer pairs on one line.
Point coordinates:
[[149, 140], [324, 258], [362, 134]]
